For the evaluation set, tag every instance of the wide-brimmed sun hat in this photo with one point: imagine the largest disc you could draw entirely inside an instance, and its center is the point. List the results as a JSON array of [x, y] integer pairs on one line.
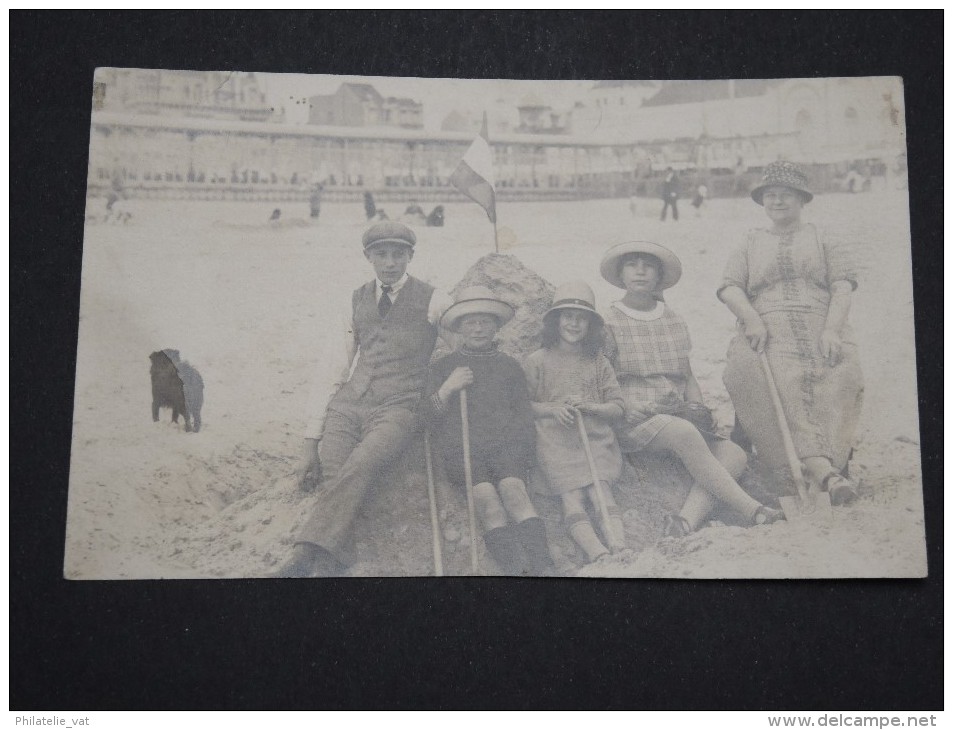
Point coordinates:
[[785, 174], [574, 295], [476, 300], [388, 232], [671, 267]]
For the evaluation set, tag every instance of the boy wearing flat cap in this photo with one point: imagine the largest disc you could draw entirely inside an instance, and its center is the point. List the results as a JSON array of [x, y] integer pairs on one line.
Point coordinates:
[[501, 429], [370, 411]]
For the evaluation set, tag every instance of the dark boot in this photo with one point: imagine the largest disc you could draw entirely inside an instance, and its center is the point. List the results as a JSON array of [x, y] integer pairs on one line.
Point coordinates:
[[504, 545], [532, 534], [310, 561]]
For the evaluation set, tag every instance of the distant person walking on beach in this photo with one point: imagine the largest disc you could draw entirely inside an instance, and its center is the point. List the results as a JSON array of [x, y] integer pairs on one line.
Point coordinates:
[[670, 194], [115, 199], [739, 176], [701, 194], [370, 207], [316, 192]]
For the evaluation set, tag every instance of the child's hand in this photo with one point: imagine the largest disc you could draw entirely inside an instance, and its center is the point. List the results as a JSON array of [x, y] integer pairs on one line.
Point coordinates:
[[459, 379], [564, 415]]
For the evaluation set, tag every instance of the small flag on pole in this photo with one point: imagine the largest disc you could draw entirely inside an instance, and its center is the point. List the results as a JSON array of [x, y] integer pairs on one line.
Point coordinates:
[[474, 175]]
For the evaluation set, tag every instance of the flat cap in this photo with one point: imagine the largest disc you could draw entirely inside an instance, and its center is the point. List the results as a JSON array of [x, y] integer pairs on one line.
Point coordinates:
[[389, 232]]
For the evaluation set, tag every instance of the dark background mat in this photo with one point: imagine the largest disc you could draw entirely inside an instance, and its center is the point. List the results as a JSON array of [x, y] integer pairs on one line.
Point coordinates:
[[450, 643]]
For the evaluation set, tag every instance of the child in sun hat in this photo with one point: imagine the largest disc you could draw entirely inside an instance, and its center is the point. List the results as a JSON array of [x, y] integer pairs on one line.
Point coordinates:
[[649, 347], [569, 378], [501, 431]]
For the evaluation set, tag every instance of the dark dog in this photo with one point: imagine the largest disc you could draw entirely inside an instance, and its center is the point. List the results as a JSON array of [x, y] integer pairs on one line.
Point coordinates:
[[176, 385]]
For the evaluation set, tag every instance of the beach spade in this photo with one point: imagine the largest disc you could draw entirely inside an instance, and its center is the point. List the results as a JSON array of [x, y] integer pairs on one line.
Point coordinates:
[[808, 505]]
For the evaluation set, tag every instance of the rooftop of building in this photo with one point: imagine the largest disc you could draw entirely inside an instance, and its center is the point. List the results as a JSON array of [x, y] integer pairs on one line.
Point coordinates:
[[688, 92], [364, 91]]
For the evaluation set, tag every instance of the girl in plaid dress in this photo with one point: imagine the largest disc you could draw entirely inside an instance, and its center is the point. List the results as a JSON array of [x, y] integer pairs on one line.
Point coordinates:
[[648, 345]]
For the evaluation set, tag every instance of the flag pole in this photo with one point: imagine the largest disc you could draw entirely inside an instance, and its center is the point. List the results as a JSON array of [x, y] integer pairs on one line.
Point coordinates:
[[496, 233], [474, 177]]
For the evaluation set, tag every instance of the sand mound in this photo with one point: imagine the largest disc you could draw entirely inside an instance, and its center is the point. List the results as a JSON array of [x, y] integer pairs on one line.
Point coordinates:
[[522, 288]]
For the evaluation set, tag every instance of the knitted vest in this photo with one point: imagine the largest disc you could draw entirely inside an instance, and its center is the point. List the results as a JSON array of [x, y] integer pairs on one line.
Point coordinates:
[[395, 351]]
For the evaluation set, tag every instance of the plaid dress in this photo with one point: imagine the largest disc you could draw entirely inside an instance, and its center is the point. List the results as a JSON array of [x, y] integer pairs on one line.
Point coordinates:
[[649, 352]]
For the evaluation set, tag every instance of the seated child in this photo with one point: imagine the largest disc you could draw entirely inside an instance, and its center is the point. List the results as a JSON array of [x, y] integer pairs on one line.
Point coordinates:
[[502, 435], [569, 378]]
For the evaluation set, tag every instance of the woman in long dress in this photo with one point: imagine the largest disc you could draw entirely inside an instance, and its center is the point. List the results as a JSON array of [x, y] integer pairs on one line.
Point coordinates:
[[790, 287], [648, 346]]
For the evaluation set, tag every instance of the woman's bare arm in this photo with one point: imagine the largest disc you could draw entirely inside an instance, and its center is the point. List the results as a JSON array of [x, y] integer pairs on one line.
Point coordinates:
[[830, 341], [737, 301]]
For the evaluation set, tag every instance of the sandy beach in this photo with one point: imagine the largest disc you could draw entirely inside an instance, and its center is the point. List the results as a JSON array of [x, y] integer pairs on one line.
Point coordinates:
[[253, 305]]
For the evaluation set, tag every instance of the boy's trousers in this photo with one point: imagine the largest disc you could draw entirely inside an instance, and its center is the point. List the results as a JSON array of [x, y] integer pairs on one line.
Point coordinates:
[[360, 444]]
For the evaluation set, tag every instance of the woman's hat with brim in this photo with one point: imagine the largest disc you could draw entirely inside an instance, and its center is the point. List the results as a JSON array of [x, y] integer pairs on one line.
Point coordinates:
[[476, 300], [574, 295], [388, 232], [784, 174], [671, 266]]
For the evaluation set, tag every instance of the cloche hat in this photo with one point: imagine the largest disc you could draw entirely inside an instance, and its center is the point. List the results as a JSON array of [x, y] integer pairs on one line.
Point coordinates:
[[671, 267], [782, 173], [476, 300], [574, 295]]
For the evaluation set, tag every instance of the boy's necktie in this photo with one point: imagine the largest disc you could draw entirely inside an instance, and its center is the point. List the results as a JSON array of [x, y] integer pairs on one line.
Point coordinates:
[[383, 306]]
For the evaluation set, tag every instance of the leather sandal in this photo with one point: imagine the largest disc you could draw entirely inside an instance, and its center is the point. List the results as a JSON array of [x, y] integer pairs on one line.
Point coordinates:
[[841, 489], [765, 515]]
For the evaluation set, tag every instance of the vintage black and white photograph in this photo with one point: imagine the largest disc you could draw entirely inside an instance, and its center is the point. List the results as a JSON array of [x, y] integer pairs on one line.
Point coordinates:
[[381, 326]]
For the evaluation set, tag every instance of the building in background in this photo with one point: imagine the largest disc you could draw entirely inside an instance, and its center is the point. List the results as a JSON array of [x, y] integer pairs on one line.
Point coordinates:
[[538, 117], [203, 94], [612, 106], [502, 118], [361, 105], [204, 134]]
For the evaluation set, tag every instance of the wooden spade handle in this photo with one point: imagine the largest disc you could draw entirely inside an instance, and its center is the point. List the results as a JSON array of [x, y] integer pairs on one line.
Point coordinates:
[[793, 462], [468, 474], [593, 469]]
